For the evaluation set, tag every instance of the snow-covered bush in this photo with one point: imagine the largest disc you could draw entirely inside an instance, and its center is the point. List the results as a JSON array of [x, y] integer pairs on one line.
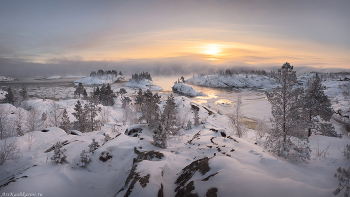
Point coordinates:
[[107, 137], [343, 177], [93, 146], [59, 156], [189, 125], [84, 158]]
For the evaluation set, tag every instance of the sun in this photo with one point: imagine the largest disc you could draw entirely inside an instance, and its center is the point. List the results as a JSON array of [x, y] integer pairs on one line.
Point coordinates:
[[212, 50]]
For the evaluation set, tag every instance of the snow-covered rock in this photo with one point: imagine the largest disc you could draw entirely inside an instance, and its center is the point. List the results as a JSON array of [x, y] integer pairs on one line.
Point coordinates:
[[4, 78], [99, 80], [143, 84], [187, 90], [235, 81], [54, 77]]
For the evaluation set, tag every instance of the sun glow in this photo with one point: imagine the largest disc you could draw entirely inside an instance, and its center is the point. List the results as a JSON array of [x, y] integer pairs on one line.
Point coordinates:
[[212, 50]]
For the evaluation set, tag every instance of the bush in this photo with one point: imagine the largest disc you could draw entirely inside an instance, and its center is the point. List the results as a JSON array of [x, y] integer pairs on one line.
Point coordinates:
[[59, 156]]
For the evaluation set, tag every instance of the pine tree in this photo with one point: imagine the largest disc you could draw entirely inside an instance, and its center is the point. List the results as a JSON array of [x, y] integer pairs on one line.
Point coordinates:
[[59, 156], [139, 100], [81, 121], [79, 90], [160, 137], [93, 146], [91, 112], [65, 124], [150, 109], [122, 91], [84, 159], [125, 101], [343, 176], [287, 137], [168, 117], [9, 97], [189, 125], [316, 104], [107, 95], [24, 93]]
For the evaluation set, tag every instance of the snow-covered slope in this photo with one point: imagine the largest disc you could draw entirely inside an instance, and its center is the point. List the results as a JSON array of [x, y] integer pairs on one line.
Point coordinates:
[[99, 80], [143, 84], [237, 81], [187, 90]]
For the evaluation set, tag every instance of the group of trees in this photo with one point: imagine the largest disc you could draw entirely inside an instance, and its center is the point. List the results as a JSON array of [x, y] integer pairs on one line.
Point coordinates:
[[101, 72], [103, 95], [16, 97], [139, 77], [295, 110], [86, 117]]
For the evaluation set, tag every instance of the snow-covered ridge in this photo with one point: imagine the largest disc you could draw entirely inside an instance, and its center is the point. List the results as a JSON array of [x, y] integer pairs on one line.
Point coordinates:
[[98, 80], [187, 90], [236, 81], [143, 84], [4, 78]]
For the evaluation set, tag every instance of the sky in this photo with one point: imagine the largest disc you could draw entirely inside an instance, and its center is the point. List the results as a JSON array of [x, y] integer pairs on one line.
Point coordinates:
[[171, 37]]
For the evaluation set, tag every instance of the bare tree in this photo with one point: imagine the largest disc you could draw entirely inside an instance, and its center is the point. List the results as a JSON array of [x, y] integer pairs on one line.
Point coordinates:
[[32, 125], [236, 118], [105, 113], [55, 115], [9, 151], [3, 122], [19, 120]]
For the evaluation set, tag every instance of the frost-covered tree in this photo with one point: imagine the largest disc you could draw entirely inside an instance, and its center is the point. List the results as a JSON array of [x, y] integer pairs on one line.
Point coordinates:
[[160, 137], [9, 151], [33, 120], [317, 106], [59, 156], [107, 137], [55, 114], [91, 111], [79, 89], [65, 123], [81, 122], [288, 137], [139, 100], [236, 118], [168, 116], [9, 97], [343, 176], [4, 122], [20, 115], [84, 159], [93, 146], [196, 118]]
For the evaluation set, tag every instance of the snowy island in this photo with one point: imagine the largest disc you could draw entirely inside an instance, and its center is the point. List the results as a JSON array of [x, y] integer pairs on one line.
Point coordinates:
[[101, 77], [143, 81]]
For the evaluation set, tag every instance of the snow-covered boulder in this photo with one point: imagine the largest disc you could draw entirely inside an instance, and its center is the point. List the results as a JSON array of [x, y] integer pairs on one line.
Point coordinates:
[[99, 80], [143, 84], [187, 90]]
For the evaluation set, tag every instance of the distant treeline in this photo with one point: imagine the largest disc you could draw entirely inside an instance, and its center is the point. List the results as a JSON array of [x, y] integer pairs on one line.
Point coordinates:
[[139, 77], [101, 72]]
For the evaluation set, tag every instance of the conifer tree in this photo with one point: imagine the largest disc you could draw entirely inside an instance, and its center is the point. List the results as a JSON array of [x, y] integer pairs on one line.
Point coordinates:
[[9, 97], [59, 155], [288, 137], [139, 100], [150, 109], [65, 124], [90, 112], [79, 90], [93, 146], [24, 93], [168, 117], [160, 137], [316, 104], [81, 121]]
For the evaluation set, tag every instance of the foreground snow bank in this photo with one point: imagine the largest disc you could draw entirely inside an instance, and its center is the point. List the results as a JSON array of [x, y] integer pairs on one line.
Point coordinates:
[[236, 81], [99, 80], [187, 90], [143, 84]]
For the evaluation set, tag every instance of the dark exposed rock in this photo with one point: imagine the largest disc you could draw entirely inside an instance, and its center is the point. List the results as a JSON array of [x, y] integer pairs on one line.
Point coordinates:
[[134, 176], [212, 192], [209, 111], [200, 165], [223, 134], [208, 177], [134, 132], [160, 191], [194, 106], [105, 155]]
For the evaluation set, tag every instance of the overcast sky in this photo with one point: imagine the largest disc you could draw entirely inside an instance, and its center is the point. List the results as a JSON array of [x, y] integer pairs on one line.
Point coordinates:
[[67, 36]]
